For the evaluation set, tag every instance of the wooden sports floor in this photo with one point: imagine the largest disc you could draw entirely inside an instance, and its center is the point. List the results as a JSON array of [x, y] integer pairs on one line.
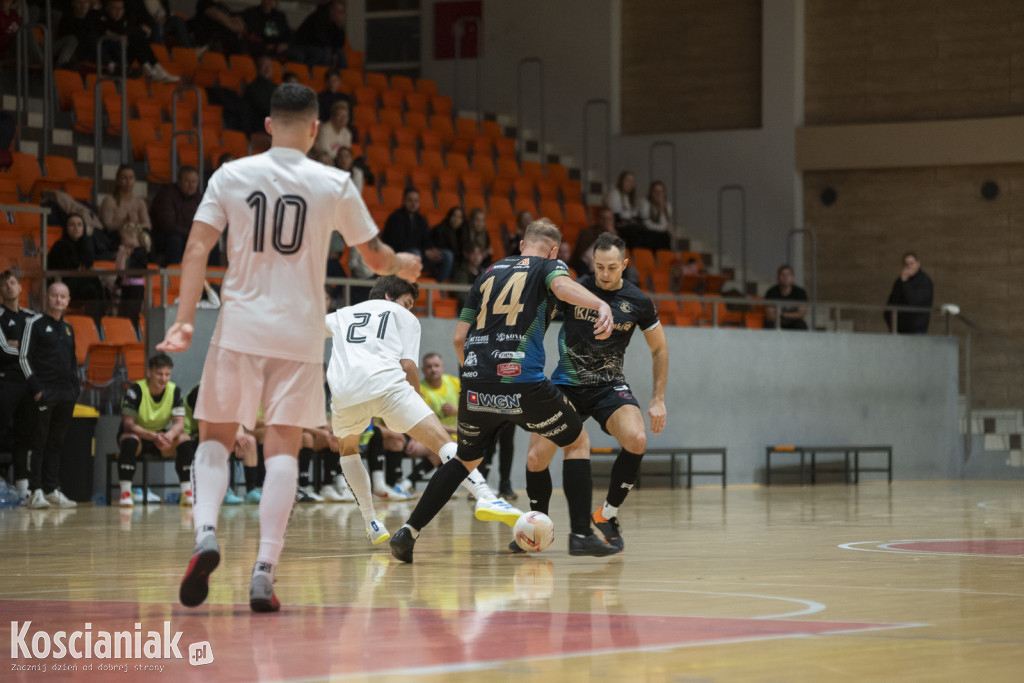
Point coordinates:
[[909, 582]]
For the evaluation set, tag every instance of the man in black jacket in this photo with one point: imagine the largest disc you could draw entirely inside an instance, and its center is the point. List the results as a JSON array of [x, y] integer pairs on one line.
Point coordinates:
[[912, 288], [320, 39], [406, 230], [48, 360], [17, 409]]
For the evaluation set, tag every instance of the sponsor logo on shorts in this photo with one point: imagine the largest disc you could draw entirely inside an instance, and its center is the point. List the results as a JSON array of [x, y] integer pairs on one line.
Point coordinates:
[[470, 359], [541, 425], [504, 404], [557, 430], [509, 370], [478, 339], [625, 395], [504, 336], [623, 391], [516, 355], [467, 429], [470, 374]]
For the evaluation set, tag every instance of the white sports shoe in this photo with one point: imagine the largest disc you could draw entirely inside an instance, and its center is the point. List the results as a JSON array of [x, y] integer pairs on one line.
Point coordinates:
[[157, 73], [392, 493], [330, 494], [497, 510], [377, 533], [341, 486], [57, 499], [38, 501], [406, 487]]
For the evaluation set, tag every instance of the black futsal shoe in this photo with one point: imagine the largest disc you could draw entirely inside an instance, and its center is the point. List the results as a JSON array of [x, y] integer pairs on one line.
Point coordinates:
[[590, 545], [610, 529], [402, 544]]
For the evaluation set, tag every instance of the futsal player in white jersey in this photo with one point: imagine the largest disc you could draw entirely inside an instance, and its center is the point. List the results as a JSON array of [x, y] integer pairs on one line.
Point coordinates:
[[267, 348], [373, 373]]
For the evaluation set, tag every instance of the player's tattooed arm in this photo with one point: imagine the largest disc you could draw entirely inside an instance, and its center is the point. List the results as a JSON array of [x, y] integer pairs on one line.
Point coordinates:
[[382, 260]]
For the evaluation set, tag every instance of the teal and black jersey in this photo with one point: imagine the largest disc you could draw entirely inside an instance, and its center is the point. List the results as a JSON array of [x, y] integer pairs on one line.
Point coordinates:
[[584, 360], [509, 309]]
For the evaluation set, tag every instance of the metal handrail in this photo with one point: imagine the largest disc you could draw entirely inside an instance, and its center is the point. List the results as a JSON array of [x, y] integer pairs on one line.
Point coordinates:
[[97, 151], [814, 265], [743, 227], [585, 189], [197, 131], [457, 32], [23, 35], [650, 175], [519, 104]]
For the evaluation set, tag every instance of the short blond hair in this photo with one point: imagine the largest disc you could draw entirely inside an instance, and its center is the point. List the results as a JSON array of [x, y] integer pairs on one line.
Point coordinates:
[[543, 229], [140, 233]]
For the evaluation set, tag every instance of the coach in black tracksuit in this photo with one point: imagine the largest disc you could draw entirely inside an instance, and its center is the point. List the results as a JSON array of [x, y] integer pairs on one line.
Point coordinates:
[[17, 412], [51, 368]]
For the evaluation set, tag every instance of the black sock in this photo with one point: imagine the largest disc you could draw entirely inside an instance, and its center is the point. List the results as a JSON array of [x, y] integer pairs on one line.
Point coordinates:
[[305, 457], [332, 465], [623, 476], [251, 474], [374, 448], [507, 441], [438, 492], [579, 492], [538, 490], [393, 467], [184, 455], [421, 469], [126, 459]]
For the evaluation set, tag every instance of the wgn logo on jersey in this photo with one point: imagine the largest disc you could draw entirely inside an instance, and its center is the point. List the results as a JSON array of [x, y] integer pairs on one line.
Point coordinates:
[[505, 404]]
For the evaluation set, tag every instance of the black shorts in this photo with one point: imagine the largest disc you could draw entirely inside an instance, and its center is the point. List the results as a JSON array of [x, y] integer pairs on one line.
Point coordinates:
[[535, 406], [148, 447], [600, 401]]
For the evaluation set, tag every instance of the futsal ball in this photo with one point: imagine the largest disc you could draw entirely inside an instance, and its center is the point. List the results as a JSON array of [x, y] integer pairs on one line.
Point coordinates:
[[534, 531]]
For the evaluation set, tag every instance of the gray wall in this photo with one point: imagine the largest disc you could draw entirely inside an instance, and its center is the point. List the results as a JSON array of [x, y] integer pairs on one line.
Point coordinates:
[[746, 389]]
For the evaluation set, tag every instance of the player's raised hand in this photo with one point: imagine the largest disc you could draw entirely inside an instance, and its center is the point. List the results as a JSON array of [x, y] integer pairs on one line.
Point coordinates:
[[603, 326], [409, 266], [177, 339], [656, 411]]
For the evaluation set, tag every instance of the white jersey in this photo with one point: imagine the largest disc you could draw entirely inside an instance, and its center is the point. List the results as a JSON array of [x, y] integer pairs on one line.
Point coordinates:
[[281, 208], [370, 340]]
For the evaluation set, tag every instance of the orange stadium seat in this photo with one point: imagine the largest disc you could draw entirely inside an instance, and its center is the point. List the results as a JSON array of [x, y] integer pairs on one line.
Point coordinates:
[[447, 200], [417, 121], [391, 117], [426, 86], [417, 102], [406, 157], [85, 334], [377, 81], [405, 137], [448, 180], [68, 83], [401, 83], [392, 99], [431, 140], [506, 147], [457, 162], [474, 201], [443, 125], [441, 105]]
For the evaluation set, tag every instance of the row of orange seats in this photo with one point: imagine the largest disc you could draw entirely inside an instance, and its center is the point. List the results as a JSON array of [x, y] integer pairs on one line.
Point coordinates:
[[26, 179]]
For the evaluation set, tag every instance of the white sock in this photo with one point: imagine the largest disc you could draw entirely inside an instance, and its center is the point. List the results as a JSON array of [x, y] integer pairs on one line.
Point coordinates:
[[21, 485], [359, 481], [415, 534], [126, 486], [379, 482], [607, 511], [186, 486], [475, 482], [209, 484], [276, 503]]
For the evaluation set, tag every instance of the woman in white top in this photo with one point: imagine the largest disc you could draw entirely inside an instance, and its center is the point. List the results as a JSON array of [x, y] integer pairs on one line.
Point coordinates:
[[656, 214], [121, 207], [335, 132], [622, 200]]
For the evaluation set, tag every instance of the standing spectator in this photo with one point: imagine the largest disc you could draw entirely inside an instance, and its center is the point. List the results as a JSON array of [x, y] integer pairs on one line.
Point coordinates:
[[132, 255], [406, 230], [153, 422], [657, 228], [448, 233], [320, 39], [785, 290], [122, 206], [217, 28], [172, 212], [912, 288], [337, 132], [474, 234], [582, 259], [267, 29], [77, 32], [51, 368], [17, 409], [257, 94], [344, 160], [622, 200], [76, 251], [330, 94], [115, 23]]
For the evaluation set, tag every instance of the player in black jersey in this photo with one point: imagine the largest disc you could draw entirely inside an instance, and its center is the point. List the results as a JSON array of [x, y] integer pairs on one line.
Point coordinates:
[[589, 373], [17, 409], [499, 340]]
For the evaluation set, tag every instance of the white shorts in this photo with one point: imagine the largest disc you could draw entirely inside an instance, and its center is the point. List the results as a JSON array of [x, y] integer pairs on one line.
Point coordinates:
[[401, 408], [236, 384]]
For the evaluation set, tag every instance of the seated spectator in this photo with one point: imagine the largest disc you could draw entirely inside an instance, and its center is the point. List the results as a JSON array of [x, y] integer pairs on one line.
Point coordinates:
[[133, 254], [156, 21], [267, 29], [468, 271], [448, 233], [582, 259], [406, 230], [122, 206], [258, 93], [217, 28], [912, 288], [564, 252], [337, 131], [512, 239], [474, 234], [680, 270], [77, 32], [113, 23], [344, 160], [62, 205], [76, 251], [785, 290], [172, 211], [10, 22], [657, 228], [320, 39], [622, 200], [331, 94]]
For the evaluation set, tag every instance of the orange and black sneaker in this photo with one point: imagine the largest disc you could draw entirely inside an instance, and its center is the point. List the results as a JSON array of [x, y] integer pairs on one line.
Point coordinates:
[[610, 529]]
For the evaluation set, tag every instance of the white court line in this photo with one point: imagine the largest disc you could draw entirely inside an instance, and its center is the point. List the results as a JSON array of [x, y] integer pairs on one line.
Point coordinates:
[[884, 547]]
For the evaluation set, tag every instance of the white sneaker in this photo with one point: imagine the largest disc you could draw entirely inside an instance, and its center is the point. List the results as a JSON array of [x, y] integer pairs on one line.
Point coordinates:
[[150, 496], [187, 499], [38, 501], [406, 487], [330, 494], [57, 499], [159, 74], [497, 510], [341, 486], [306, 494], [391, 493], [377, 533], [127, 500]]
